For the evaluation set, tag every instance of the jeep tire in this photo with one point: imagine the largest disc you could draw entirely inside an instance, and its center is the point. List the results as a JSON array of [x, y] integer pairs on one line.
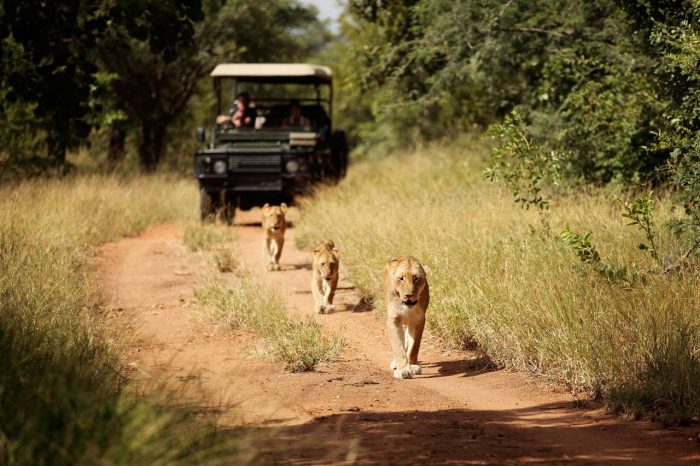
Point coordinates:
[[227, 212], [339, 154], [206, 205]]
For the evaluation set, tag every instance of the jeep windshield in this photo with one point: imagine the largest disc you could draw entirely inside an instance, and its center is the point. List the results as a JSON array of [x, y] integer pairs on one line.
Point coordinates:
[[275, 91]]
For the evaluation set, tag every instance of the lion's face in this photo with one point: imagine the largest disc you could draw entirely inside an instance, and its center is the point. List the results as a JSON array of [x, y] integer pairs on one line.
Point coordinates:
[[325, 259], [408, 279], [273, 217]]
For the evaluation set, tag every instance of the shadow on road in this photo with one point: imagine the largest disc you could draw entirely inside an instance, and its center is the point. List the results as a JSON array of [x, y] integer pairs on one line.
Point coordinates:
[[256, 224], [301, 266], [361, 306], [480, 364], [456, 436]]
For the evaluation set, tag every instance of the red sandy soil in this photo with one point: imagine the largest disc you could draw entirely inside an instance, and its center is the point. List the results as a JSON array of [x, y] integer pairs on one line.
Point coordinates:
[[459, 411]]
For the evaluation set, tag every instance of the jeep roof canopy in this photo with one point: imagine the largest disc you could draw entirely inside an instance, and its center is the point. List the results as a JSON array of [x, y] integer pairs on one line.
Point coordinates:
[[293, 73]]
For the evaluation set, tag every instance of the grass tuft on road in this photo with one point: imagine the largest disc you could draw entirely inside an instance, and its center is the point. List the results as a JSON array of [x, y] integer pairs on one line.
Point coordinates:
[[225, 260], [248, 305], [202, 236], [62, 393], [497, 279]]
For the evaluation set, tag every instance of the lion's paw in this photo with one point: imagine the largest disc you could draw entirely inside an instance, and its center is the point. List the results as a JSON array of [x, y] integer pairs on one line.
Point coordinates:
[[329, 308], [392, 365], [276, 267], [270, 267], [415, 369], [403, 373], [318, 309]]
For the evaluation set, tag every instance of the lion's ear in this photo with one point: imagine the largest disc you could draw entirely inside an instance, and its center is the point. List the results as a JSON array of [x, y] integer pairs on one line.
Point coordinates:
[[330, 243], [393, 259], [284, 208], [265, 208]]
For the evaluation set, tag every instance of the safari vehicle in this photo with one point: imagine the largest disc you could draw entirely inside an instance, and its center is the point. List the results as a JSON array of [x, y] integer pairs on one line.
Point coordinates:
[[270, 162]]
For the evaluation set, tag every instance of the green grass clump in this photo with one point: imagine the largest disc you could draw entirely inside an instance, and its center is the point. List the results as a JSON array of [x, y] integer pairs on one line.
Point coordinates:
[[202, 236], [499, 279], [62, 397], [301, 345], [248, 305]]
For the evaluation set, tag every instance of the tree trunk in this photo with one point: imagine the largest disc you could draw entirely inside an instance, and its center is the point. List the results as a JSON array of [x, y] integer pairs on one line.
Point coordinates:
[[151, 144], [117, 138], [56, 151]]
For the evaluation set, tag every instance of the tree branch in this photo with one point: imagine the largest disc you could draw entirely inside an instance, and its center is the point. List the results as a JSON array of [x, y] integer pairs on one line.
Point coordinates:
[[537, 31]]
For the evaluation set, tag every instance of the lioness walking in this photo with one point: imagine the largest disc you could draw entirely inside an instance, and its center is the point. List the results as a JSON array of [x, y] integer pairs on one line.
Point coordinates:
[[274, 224], [324, 279], [407, 297]]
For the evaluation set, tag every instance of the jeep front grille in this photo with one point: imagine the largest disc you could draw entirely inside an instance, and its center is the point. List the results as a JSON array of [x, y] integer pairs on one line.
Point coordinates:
[[255, 163], [255, 172]]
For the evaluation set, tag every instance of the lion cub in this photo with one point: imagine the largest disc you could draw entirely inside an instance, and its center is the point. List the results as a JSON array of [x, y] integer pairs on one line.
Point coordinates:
[[324, 280], [407, 297], [274, 224]]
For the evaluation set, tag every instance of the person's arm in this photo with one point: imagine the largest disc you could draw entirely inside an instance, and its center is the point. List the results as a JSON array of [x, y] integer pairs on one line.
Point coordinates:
[[249, 117], [237, 119]]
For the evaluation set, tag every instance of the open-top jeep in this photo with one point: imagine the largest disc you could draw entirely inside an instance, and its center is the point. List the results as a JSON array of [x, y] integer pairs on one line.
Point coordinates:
[[276, 157]]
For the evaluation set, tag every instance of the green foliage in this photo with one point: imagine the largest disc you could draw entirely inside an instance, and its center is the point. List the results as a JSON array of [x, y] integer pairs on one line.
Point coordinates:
[[57, 42], [576, 70], [21, 135], [588, 254], [581, 245], [522, 165], [641, 212], [354, 103], [132, 64], [673, 36]]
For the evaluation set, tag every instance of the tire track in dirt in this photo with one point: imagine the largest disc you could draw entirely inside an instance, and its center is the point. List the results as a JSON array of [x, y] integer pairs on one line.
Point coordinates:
[[352, 411]]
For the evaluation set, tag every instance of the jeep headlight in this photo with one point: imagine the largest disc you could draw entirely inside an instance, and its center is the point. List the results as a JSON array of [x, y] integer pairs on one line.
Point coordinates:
[[220, 167], [292, 166]]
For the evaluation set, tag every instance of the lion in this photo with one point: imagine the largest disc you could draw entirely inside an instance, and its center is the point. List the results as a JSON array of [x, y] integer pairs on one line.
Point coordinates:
[[274, 224], [324, 279], [407, 297]]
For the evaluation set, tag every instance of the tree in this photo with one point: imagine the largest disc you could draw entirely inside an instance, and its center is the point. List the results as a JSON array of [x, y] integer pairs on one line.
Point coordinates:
[[56, 42], [671, 31], [574, 69]]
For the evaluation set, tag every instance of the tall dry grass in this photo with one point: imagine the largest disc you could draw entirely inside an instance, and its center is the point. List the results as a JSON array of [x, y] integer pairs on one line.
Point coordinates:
[[496, 279], [61, 393]]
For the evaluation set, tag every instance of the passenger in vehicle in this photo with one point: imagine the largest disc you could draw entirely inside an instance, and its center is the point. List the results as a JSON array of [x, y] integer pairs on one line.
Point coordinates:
[[241, 116], [295, 118]]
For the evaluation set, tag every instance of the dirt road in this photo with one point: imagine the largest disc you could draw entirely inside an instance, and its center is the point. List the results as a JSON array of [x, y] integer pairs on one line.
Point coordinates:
[[458, 411]]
